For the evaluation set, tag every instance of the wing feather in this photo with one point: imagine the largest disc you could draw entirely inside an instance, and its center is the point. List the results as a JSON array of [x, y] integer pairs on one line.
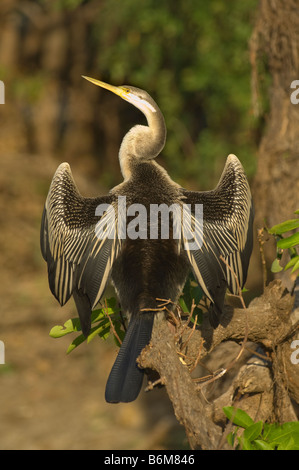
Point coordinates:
[[226, 232], [79, 255]]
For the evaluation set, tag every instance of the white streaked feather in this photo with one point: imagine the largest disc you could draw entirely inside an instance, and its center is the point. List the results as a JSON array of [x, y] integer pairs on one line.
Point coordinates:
[[229, 234], [68, 242]]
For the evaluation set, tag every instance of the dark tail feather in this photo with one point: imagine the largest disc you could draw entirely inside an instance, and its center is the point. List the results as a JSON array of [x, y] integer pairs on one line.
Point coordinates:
[[84, 310], [216, 308], [125, 379]]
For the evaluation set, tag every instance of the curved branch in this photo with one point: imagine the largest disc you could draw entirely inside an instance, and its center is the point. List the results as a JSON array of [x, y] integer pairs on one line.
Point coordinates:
[[270, 322], [189, 406]]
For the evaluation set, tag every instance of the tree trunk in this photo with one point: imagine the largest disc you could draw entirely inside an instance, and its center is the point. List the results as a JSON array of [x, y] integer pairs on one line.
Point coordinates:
[[276, 37], [274, 53]]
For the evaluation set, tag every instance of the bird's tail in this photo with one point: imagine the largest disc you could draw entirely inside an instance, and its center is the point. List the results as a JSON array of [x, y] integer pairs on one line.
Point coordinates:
[[125, 379]]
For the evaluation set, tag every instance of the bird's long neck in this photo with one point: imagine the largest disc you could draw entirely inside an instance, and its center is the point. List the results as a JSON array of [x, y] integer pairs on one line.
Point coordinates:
[[143, 143]]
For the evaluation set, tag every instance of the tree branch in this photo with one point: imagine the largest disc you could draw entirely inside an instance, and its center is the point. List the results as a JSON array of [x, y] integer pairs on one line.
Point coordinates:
[[270, 322], [161, 355]]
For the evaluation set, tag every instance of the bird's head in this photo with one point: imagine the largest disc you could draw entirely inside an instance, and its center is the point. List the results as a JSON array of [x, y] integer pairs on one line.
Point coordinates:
[[137, 97], [141, 143]]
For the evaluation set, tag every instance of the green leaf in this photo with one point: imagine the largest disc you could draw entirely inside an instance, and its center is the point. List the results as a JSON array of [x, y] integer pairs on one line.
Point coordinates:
[[253, 431], [262, 445], [280, 435], [99, 320], [238, 416], [284, 227], [288, 445], [288, 242], [103, 330], [196, 293], [267, 430], [292, 262], [245, 444], [58, 331], [296, 266], [231, 438], [74, 344], [70, 326], [112, 304], [81, 338], [187, 298], [183, 305], [192, 292], [276, 268]]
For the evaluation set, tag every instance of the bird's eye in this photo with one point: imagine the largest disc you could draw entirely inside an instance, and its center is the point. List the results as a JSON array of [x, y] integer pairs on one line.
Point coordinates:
[[126, 90]]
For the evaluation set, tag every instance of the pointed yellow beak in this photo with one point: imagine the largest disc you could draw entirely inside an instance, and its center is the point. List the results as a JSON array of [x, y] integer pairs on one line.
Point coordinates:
[[126, 94], [120, 91]]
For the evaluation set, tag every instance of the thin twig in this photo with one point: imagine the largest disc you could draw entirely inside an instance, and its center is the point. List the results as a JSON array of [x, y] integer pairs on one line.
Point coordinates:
[[174, 319], [160, 307], [211, 378], [260, 237], [189, 317], [191, 333], [198, 356], [151, 385], [255, 353], [111, 322], [165, 301], [152, 309]]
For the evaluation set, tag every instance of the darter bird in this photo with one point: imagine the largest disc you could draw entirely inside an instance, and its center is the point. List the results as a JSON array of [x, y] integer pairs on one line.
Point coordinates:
[[84, 247]]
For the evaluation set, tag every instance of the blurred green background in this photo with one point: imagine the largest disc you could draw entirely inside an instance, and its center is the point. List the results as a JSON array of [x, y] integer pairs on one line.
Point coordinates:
[[193, 58]]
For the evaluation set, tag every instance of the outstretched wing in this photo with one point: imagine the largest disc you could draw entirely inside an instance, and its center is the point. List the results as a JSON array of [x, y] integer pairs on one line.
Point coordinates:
[[79, 242], [225, 232]]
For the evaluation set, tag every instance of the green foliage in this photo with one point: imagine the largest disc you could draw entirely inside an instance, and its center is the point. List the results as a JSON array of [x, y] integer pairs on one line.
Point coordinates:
[[260, 436], [30, 88], [286, 243], [108, 320], [101, 325], [193, 57], [192, 293]]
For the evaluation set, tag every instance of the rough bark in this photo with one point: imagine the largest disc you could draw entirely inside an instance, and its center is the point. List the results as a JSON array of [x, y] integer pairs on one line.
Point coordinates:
[[189, 407], [275, 42], [274, 52], [263, 386]]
